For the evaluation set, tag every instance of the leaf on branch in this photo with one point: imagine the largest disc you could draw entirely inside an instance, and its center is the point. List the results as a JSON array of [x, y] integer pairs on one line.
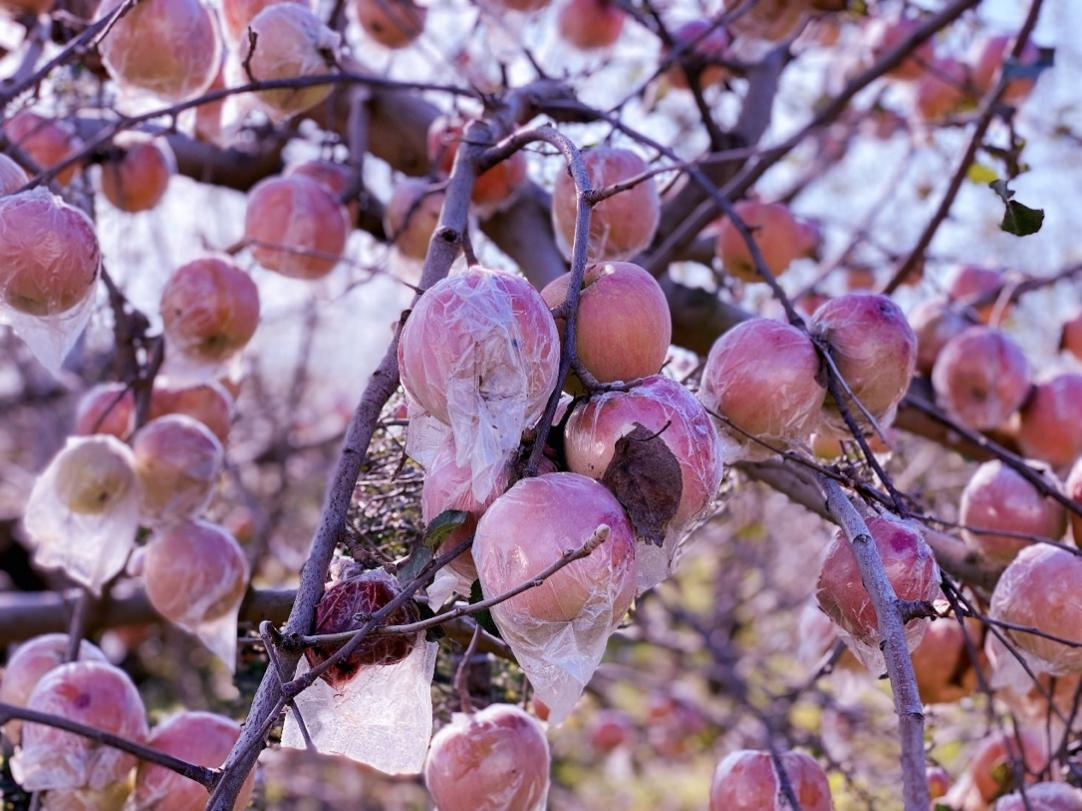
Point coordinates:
[[420, 557], [483, 617], [645, 477], [979, 173], [1018, 219], [443, 525]]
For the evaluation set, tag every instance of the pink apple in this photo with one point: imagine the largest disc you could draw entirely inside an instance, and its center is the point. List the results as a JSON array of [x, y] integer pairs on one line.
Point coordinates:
[[1049, 426], [748, 780], [981, 377]]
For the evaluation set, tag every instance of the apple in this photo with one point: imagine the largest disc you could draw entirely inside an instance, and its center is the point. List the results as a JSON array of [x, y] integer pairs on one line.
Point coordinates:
[[700, 41], [166, 47], [620, 226], [909, 564], [935, 322], [747, 780], [609, 730], [411, 216], [295, 226], [590, 24], [202, 738], [998, 498], [209, 403], [873, 347], [236, 14], [993, 764], [12, 176], [480, 338], [493, 187], [764, 377], [88, 692], [1039, 589], [210, 309], [46, 141], [981, 377], [969, 282], [1070, 336], [529, 527], [194, 572], [177, 461], [623, 329], [136, 176], [51, 254], [391, 23], [1074, 492], [944, 670], [93, 474], [888, 34], [106, 408], [1049, 426], [493, 760], [1042, 797], [290, 42], [943, 90], [989, 56]]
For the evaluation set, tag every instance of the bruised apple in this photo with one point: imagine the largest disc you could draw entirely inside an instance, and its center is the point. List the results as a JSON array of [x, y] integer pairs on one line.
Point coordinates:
[[623, 328], [391, 23], [1040, 589], [288, 41], [493, 760], [136, 175], [107, 408], [909, 564], [194, 572], [166, 47], [92, 693], [998, 499], [45, 141], [659, 404], [509, 550], [778, 234], [590, 24], [748, 780], [874, 348], [29, 664], [94, 474], [494, 186], [51, 257], [480, 335], [202, 738], [295, 226], [345, 606], [621, 225], [699, 42], [411, 216], [1049, 425], [935, 322], [981, 377], [210, 309], [177, 461], [764, 377], [209, 403]]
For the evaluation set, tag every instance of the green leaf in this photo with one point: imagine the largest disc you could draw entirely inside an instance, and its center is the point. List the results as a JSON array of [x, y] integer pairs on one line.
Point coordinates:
[[484, 618], [1021, 220], [979, 173], [443, 525], [420, 557]]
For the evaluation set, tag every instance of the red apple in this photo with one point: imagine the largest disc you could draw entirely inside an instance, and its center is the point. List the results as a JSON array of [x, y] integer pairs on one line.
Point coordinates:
[[391, 23], [209, 403], [701, 41], [624, 328], [981, 377], [942, 664], [194, 572], [166, 47], [943, 90], [1039, 589], [989, 57], [662, 405], [295, 226], [609, 730], [202, 738], [970, 282], [935, 322], [775, 230], [873, 347], [939, 782], [590, 24], [479, 338], [993, 765], [910, 567], [210, 310], [765, 378], [493, 760], [177, 461], [1074, 491], [747, 780], [236, 14], [886, 35], [45, 141], [89, 692], [107, 408], [493, 187], [1049, 425], [12, 176], [411, 216], [1043, 797], [998, 498], [51, 255], [1070, 336], [136, 176], [529, 527], [620, 226]]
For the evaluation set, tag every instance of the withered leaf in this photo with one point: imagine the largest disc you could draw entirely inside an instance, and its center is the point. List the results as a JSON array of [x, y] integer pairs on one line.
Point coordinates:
[[645, 477]]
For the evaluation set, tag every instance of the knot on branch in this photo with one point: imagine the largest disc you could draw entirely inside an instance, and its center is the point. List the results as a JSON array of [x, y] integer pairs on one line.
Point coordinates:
[[915, 610], [449, 235]]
